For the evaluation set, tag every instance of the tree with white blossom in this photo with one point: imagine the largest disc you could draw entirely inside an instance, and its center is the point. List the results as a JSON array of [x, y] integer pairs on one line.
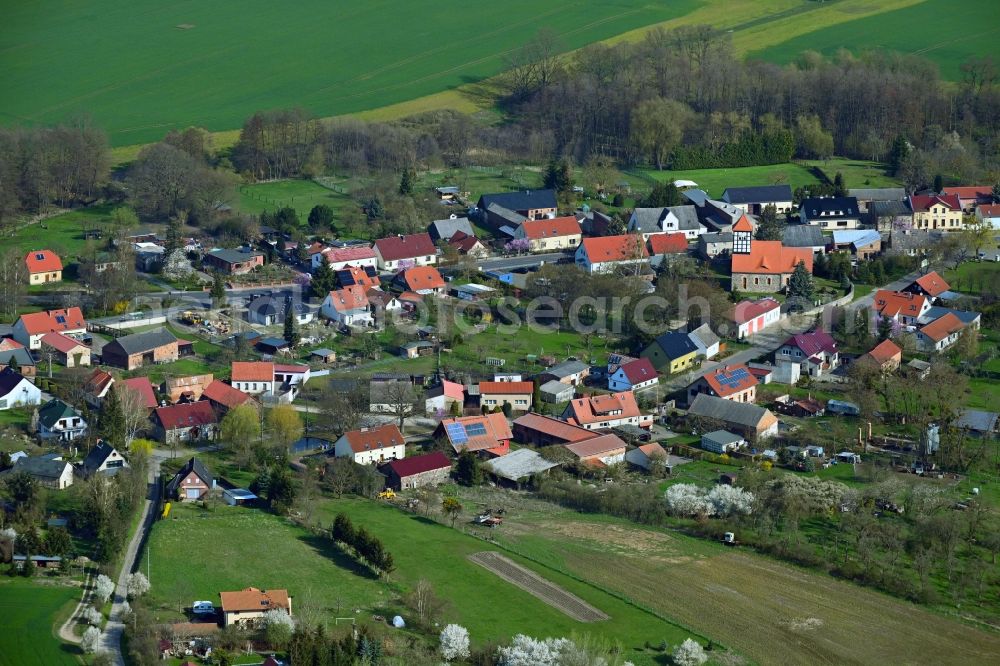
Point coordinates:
[[104, 587], [730, 500], [92, 616], [90, 640], [689, 653], [136, 585], [278, 627], [177, 265], [687, 499], [528, 651], [454, 642]]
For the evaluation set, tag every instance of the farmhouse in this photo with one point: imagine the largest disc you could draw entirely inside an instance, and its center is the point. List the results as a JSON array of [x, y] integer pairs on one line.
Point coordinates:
[[804, 236], [940, 334], [103, 459], [763, 266], [339, 258], [468, 245], [930, 285], [754, 316], [29, 328], [610, 253], [489, 433], [672, 352], [635, 375], [348, 306], [441, 398], [497, 394], [423, 280], [444, 230], [539, 430], [247, 607], [60, 422], [936, 211], [606, 411], [830, 213], [186, 422], [651, 222], [16, 390], [754, 200], [371, 446], [748, 419], [193, 481], [731, 382], [527, 204], [567, 372], [903, 307], [715, 244], [862, 244], [43, 266], [429, 469], [868, 196], [134, 351], [96, 386], [548, 235], [661, 245], [599, 451], [970, 195], [396, 252], [224, 397], [68, 351], [49, 470], [886, 356], [989, 214]]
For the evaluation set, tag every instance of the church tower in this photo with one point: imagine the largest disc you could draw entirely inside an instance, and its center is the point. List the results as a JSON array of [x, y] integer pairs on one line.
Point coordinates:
[[742, 231]]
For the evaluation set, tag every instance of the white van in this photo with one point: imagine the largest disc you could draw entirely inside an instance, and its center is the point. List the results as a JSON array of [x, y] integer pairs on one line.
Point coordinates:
[[203, 608]]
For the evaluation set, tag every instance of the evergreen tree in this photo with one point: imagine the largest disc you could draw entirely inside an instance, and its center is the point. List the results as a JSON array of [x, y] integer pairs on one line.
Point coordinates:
[[292, 336], [324, 280], [769, 227], [321, 217], [839, 188], [373, 208], [173, 241], [938, 183], [662, 195], [468, 472], [898, 153], [218, 292], [111, 420], [801, 282], [406, 182], [302, 252]]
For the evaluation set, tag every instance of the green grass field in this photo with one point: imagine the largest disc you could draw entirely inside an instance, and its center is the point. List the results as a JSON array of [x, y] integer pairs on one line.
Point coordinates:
[[245, 547], [945, 31], [62, 234], [28, 610], [857, 173], [149, 66]]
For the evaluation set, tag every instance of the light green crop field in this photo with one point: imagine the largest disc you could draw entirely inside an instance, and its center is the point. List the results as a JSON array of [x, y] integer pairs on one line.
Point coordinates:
[[28, 611], [143, 67], [945, 31]]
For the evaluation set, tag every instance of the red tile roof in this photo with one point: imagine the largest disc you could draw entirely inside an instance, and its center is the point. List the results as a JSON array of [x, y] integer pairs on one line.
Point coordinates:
[[990, 210], [463, 241], [252, 599], [595, 447], [920, 203], [285, 368], [185, 415], [496, 431], [772, 258], [730, 379], [813, 342], [43, 261], [638, 371], [614, 248], [505, 388], [349, 298], [252, 371], [884, 351], [419, 464], [748, 310], [222, 393], [374, 439], [667, 244], [551, 228], [743, 224], [423, 277], [395, 248], [359, 277], [653, 448], [969, 191], [98, 381], [144, 388], [932, 283], [60, 342], [892, 303], [337, 255], [555, 428], [6, 344], [942, 327], [452, 390], [70, 319], [597, 408]]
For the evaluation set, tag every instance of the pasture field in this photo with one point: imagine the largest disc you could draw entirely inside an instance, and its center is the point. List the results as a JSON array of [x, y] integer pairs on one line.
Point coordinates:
[[214, 64], [245, 547], [63, 234], [773, 612], [301, 195], [28, 613], [971, 28]]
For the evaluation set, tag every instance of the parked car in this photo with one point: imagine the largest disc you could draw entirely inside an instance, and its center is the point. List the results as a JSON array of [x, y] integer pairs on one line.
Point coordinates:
[[203, 608]]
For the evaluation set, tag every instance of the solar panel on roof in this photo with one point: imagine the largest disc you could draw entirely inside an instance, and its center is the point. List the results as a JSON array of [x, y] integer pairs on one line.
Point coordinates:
[[475, 429], [456, 433]]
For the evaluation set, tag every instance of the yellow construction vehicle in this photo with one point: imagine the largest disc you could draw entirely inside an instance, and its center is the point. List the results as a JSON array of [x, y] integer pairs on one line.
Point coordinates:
[[387, 494], [191, 318]]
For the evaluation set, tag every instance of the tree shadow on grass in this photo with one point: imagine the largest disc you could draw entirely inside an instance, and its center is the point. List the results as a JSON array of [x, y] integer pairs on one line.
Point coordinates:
[[329, 550], [427, 521]]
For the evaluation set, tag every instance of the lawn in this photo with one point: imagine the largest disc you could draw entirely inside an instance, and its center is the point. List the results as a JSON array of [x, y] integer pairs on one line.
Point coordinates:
[[714, 181], [28, 611], [767, 611], [301, 195], [62, 234], [944, 31], [973, 277], [189, 62]]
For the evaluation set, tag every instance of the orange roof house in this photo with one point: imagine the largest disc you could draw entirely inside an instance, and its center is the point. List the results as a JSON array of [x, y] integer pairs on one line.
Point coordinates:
[[900, 305], [668, 243], [422, 280], [29, 328], [43, 266], [247, 606], [763, 266], [604, 254], [489, 433], [605, 411], [932, 285], [225, 397], [731, 382], [940, 333], [886, 356], [144, 388], [252, 371], [555, 233]]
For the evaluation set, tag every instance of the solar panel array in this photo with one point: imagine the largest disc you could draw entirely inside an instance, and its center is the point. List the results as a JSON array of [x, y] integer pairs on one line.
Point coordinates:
[[734, 379], [456, 433], [475, 429]]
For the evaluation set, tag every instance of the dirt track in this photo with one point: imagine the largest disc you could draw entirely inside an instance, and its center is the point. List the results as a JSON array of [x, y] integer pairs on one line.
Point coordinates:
[[535, 585]]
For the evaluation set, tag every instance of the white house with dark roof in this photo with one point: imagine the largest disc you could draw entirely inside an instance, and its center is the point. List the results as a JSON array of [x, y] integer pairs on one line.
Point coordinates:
[[636, 375], [673, 219], [16, 390], [103, 459], [370, 446], [830, 213], [754, 199]]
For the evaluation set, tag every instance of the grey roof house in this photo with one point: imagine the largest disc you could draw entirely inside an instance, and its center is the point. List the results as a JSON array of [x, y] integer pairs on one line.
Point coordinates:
[[713, 244], [445, 229], [804, 235], [674, 219], [103, 459], [49, 470]]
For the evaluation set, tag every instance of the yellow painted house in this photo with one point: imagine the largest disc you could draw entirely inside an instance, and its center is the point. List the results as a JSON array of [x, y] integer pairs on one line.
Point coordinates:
[[672, 352]]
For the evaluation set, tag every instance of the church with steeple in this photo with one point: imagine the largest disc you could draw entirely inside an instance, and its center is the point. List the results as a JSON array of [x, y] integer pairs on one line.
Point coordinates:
[[763, 266]]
